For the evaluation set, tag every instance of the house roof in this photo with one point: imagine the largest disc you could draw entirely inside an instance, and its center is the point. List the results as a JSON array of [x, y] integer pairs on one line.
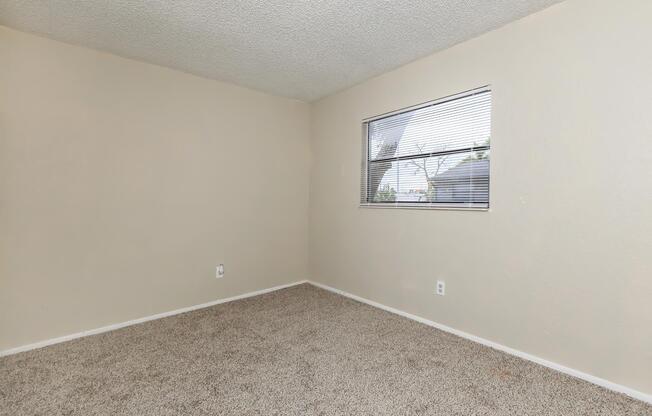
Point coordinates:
[[466, 169]]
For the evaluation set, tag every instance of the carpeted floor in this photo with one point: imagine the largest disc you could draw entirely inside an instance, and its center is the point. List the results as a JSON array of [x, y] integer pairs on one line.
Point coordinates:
[[298, 351]]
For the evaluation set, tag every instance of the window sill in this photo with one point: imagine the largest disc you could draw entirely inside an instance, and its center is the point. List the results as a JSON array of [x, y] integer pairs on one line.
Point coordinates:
[[426, 207]]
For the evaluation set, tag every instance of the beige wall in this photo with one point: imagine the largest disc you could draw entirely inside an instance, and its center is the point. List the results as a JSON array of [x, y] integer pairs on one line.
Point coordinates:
[[123, 184], [560, 265]]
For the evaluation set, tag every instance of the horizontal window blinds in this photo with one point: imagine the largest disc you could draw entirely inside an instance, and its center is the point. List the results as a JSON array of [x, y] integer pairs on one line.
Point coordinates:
[[433, 155]]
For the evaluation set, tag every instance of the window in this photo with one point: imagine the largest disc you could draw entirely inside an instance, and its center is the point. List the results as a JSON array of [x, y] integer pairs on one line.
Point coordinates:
[[435, 155]]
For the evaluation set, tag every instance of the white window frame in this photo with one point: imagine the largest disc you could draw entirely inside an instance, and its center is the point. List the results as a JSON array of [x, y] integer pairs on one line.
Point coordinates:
[[408, 205]]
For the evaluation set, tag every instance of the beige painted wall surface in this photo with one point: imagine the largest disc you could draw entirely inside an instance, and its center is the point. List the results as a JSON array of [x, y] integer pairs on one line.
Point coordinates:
[[561, 265], [123, 184]]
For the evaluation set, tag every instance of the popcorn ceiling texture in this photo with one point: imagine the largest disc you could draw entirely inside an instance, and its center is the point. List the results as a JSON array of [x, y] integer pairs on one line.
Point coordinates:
[[300, 49], [298, 351]]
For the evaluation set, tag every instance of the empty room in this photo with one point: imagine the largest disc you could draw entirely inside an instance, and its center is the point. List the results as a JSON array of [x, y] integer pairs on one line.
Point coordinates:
[[329, 208]]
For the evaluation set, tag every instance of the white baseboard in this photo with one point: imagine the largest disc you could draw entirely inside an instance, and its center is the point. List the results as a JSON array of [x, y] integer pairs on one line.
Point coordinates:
[[113, 327], [563, 369]]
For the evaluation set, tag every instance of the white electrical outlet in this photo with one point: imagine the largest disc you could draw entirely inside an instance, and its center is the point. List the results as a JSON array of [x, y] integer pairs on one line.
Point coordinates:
[[441, 288], [219, 271]]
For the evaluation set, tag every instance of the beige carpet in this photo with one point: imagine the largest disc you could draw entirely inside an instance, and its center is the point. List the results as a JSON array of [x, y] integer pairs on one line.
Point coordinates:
[[299, 351]]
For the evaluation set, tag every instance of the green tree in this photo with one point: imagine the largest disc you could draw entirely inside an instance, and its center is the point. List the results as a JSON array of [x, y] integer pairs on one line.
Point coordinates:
[[385, 194], [479, 154]]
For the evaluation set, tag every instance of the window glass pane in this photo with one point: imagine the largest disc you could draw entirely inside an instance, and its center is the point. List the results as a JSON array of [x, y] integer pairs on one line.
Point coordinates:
[[449, 179], [457, 124], [435, 154]]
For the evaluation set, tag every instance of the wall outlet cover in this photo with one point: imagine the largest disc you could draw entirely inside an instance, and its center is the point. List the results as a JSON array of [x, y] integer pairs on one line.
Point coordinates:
[[441, 288]]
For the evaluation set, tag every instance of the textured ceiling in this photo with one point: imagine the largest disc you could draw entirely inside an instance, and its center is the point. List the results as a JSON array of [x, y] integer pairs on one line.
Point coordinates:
[[302, 49]]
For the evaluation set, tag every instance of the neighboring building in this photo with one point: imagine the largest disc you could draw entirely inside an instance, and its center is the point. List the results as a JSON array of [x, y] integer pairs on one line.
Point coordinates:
[[471, 176]]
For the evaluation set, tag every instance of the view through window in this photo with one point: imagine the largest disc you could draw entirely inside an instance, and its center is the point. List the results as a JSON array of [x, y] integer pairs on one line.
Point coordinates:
[[433, 155]]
